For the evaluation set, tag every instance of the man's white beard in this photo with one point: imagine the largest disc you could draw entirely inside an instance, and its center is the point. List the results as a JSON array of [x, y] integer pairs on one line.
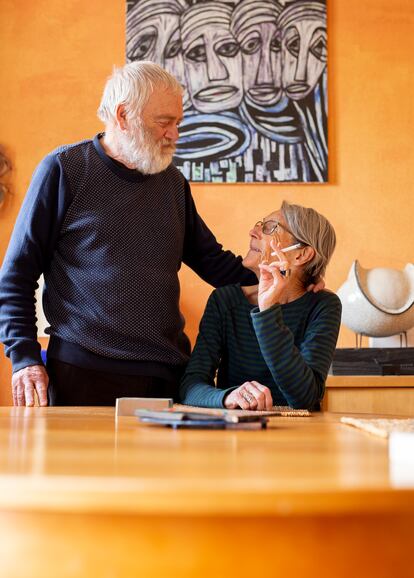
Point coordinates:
[[139, 150]]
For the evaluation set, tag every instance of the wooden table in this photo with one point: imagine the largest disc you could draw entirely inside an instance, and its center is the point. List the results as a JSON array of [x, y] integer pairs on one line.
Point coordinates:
[[385, 394], [84, 496]]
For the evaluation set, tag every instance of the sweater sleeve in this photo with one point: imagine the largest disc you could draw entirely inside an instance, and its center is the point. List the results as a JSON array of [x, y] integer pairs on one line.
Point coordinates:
[[29, 252], [206, 256], [299, 372], [197, 385]]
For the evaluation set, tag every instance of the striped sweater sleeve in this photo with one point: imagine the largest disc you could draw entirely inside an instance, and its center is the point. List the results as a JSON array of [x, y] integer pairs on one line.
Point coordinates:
[[299, 373], [197, 385]]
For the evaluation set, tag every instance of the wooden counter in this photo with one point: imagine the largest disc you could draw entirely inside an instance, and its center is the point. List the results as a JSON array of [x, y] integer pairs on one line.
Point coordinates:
[[84, 496], [388, 394]]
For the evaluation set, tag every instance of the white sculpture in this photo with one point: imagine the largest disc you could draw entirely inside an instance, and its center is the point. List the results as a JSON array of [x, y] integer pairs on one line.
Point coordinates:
[[378, 302]]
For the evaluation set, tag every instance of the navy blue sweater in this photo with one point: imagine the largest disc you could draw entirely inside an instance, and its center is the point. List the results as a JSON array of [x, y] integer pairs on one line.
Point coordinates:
[[110, 242]]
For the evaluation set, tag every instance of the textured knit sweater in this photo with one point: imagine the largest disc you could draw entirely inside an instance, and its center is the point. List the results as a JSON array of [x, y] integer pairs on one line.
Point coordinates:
[[110, 242], [288, 348]]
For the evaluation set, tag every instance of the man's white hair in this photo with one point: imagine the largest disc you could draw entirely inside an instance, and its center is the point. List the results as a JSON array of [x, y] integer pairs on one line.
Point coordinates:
[[132, 86]]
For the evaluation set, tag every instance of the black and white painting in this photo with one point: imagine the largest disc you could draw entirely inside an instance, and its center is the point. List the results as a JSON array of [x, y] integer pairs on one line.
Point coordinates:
[[255, 80]]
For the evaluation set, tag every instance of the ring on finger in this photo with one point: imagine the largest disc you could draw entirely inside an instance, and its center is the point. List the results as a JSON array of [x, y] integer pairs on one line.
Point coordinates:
[[248, 397]]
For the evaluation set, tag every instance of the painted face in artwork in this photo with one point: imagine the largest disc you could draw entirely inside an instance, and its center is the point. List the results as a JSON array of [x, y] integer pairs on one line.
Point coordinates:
[[304, 54], [254, 25], [153, 34], [212, 58]]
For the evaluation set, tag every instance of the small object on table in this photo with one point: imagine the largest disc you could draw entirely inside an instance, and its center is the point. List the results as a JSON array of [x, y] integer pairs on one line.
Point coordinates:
[[380, 427], [280, 410], [201, 420], [127, 405], [401, 458]]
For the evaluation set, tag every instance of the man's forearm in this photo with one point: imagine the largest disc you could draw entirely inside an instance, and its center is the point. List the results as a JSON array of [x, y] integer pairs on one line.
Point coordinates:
[[18, 322]]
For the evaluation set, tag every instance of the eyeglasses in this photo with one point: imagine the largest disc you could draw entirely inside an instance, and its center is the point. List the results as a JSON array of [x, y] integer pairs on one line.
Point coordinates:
[[272, 226]]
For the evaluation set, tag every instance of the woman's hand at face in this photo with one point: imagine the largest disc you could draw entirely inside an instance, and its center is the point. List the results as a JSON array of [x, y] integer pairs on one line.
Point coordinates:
[[251, 395], [272, 282]]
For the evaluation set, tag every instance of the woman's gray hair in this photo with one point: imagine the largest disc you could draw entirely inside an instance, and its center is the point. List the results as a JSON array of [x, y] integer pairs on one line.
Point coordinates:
[[132, 86], [313, 229]]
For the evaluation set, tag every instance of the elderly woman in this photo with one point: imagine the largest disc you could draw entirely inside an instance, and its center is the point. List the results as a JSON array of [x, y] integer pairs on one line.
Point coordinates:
[[272, 343]]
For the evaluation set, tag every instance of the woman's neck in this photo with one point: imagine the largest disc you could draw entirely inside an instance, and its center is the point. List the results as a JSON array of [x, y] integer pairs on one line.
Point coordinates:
[[251, 293]]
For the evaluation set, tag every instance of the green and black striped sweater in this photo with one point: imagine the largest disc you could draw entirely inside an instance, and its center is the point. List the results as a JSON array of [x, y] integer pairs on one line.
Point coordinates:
[[288, 348]]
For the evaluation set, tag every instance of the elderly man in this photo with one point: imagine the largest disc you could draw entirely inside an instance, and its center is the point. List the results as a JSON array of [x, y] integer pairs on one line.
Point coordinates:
[[108, 222]]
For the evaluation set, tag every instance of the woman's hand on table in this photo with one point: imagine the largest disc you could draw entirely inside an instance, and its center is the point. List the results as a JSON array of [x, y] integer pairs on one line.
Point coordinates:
[[251, 395]]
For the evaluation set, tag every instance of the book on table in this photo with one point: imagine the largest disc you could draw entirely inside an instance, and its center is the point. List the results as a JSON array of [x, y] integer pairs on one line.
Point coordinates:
[[189, 416]]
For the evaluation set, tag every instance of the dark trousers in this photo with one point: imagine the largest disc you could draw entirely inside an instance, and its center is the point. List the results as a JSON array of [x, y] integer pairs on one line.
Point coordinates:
[[71, 385]]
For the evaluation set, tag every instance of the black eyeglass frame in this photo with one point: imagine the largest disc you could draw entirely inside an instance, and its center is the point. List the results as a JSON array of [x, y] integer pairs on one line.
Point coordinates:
[[274, 226]]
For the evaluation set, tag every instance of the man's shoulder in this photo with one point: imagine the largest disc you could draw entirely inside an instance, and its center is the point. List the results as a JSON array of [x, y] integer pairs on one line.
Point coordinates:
[[169, 180], [51, 165], [66, 159], [173, 173], [69, 149]]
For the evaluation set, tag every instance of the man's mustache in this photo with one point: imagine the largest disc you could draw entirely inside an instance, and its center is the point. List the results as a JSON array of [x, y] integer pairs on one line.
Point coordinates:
[[168, 144]]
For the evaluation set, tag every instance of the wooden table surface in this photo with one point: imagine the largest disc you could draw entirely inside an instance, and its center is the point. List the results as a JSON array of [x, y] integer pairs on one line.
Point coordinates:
[[68, 475], [83, 460]]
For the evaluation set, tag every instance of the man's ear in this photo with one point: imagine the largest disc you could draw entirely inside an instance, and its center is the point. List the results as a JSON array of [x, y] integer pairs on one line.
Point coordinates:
[[306, 254], [121, 117]]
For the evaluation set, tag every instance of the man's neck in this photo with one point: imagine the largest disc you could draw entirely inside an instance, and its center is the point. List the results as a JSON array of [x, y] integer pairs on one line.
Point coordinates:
[[111, 148]]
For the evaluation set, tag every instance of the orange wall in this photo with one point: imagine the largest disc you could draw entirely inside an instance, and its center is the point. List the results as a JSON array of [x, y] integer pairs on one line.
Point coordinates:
[[56, 55]]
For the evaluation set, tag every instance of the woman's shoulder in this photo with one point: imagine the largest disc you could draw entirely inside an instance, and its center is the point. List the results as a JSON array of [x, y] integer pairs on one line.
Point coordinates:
[[324, 295], [227, 297], [325, 300]]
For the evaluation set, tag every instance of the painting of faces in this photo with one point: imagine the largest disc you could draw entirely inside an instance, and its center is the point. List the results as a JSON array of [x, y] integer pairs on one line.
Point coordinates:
[[255, 84]]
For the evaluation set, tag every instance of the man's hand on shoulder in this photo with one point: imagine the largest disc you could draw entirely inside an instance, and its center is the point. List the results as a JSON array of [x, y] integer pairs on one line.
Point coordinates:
[[318, 286], [28, 380]]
